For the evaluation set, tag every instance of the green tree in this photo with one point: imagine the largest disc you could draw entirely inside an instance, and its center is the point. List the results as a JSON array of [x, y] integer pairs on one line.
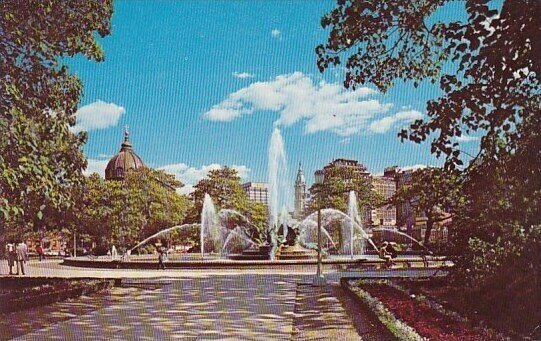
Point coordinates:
[[126, 212], [258, 214], [334, 192], [41, 159], [154, 193], [431, 192], [492, 90], [224, 187]]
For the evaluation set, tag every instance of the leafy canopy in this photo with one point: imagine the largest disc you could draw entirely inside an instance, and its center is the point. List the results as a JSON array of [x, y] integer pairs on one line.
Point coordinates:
[[41, 159], [334, 192], [125, 212], [433, 192], [493, 89]]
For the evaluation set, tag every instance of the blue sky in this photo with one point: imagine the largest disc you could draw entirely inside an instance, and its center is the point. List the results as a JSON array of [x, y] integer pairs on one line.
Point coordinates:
[[202, 83]]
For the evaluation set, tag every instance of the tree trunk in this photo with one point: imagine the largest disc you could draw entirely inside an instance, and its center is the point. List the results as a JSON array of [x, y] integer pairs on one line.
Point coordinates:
[[429, 225]]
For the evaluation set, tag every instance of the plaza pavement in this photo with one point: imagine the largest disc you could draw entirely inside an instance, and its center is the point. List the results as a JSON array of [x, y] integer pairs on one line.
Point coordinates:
[[199, 305]]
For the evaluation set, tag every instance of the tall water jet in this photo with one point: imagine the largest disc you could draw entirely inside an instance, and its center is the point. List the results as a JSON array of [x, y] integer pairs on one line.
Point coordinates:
[[353, 213], [210, 226], [277, 173]]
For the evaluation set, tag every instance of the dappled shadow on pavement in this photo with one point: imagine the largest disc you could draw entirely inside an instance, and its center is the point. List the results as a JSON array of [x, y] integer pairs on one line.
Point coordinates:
[[253, 307], [22, 322], [320, 315], [233, 307]]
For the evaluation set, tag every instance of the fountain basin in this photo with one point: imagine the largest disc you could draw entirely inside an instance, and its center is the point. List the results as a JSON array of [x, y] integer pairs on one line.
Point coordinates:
[[296, 251], [255, 253], [193, 263]]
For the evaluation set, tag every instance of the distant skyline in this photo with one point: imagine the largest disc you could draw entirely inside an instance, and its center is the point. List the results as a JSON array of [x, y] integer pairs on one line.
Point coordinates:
[[203, 84]]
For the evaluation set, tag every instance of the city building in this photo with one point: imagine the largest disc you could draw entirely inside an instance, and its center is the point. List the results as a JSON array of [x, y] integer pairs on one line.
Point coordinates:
[[348, 170], [124, 161], [257, 192], [386, 187], [352, 170], [300, 194]]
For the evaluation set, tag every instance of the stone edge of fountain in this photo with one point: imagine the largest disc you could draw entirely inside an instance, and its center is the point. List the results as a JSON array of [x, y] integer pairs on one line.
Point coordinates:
[[105, 263]]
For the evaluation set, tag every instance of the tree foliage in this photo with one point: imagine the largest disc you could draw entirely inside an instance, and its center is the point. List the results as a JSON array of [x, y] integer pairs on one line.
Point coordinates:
[[125, 212], [224, 187], [492, 90], [431, 192], [41, 159], [334, 192]]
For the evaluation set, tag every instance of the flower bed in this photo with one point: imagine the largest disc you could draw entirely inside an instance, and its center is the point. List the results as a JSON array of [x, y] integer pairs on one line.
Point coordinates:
[[409, 318], [24, 296], [466, 302]]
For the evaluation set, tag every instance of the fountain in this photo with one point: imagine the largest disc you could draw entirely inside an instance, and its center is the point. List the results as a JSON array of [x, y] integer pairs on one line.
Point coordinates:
[[161, 233], [226, 230], [210, 226], [328, 215], [277, 172], [353, 213]]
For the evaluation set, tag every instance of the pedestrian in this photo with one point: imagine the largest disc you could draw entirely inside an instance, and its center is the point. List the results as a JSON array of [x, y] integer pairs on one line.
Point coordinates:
[[40, 252], [22, 256], [114, 252], [11, 256], [161, 257], [385, 254]]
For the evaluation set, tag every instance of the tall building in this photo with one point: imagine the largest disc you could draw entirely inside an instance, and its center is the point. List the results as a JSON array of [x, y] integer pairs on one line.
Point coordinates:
[[348, 170], [300, 193], [124, 161], [353, 169], [386, 187], [257, 192]]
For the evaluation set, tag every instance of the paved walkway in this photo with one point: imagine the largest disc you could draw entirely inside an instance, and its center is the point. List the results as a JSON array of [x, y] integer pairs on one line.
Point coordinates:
[[199, 305], [234, 307]]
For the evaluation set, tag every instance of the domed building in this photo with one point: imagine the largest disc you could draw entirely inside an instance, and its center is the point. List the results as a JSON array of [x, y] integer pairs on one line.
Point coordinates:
[[124, 161]]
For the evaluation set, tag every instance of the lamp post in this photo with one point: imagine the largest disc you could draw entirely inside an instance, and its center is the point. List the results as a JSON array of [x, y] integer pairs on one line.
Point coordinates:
[[319, 280]]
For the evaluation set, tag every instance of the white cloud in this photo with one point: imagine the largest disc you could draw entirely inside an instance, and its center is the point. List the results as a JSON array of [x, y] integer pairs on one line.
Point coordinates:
[[466, 138], [190, 176], [276, 33], [413, 167], [96, 166], [384, 124], [97, 115], [320, 106], [242, 75]]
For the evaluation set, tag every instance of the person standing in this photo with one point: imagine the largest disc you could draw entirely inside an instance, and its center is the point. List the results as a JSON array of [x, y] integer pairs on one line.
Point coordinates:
[[22, 256], [40, 252], [161, 257], [386, 255], [11, 256]]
